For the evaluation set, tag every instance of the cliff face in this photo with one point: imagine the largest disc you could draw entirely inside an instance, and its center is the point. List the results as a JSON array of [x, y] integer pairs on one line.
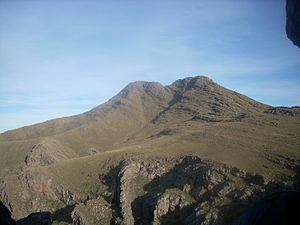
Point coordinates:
[[138, 190], [186, 190]]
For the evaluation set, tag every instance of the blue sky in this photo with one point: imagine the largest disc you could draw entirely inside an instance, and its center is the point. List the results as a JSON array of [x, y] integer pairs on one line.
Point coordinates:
[[59, 58]]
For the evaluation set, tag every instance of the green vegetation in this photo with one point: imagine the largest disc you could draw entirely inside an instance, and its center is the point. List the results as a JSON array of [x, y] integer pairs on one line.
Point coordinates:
[[190, 117]]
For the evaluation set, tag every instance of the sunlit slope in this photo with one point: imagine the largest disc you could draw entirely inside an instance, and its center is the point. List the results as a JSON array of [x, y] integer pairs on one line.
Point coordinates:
[[147, 127], [102, 128], [192, 115]]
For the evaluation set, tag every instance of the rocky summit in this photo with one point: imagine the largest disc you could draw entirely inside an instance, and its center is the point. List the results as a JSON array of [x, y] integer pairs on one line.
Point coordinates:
[[192, 152]]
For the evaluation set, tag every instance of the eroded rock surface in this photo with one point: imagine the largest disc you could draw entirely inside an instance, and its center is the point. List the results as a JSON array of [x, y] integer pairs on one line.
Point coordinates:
[[157, 191], [46, 184], [289, 111], [188, 191], [95, 211], [47, 152]]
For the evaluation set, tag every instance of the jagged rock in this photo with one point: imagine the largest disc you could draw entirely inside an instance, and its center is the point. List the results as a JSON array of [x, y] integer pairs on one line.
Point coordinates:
[[47, 186], [41, 186], [192, 191], [289, 111], [169, 203], [194, 82], [96, 211], [6, 200], [186, 190], [45, 153], [131, 171]]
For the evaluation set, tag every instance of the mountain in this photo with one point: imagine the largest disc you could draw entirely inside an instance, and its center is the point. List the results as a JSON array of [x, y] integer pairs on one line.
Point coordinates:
[[193, 150]]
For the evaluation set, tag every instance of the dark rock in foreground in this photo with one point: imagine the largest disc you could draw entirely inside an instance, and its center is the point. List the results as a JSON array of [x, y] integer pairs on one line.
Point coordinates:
[[5, 216], [192, 191], [38, 218], [277, 209], [293, 21]]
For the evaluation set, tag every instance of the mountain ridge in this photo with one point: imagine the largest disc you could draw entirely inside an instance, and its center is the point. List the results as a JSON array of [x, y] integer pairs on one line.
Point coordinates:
[[150, 88], [135, 87], [147, 127]]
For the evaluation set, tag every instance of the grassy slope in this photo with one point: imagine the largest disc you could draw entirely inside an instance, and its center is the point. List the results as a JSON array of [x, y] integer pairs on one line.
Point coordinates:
[[140, 121], [142, 110], [239, 144], [104, 128]]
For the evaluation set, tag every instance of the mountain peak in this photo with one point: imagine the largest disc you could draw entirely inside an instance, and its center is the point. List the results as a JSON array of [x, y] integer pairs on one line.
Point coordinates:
[[139, 87], [156, 87], [148, 147], [193, 82]]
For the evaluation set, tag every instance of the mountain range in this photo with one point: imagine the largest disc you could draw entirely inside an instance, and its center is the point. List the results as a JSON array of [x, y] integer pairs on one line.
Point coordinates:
[[192, 152]]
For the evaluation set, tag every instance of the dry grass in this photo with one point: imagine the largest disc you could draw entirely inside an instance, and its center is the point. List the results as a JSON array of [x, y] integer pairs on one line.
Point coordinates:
[[203, 119]]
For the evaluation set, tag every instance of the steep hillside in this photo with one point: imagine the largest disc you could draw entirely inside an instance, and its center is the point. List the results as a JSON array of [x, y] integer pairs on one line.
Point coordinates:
[[193, 150], [103, 128]]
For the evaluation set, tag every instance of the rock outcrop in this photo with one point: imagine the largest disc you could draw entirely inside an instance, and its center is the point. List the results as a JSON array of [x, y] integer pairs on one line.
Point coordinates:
[[154, 191], [36, 190], [47, 152], [46, 184], [293, 21], [289, 111], [126, 184], [95, 211], [188, 191]]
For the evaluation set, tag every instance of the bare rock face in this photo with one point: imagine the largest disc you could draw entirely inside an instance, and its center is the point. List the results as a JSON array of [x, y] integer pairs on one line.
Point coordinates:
[[43, 183], [190, 191], [96, 211], [293, 21], [171, 201], [289, 111], [198, 82], [155, 191], [132, 174], [46, 152], [38, 189]]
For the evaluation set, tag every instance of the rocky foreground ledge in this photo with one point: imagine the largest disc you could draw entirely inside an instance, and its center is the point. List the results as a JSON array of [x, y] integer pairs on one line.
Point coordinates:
[[186, 190]]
